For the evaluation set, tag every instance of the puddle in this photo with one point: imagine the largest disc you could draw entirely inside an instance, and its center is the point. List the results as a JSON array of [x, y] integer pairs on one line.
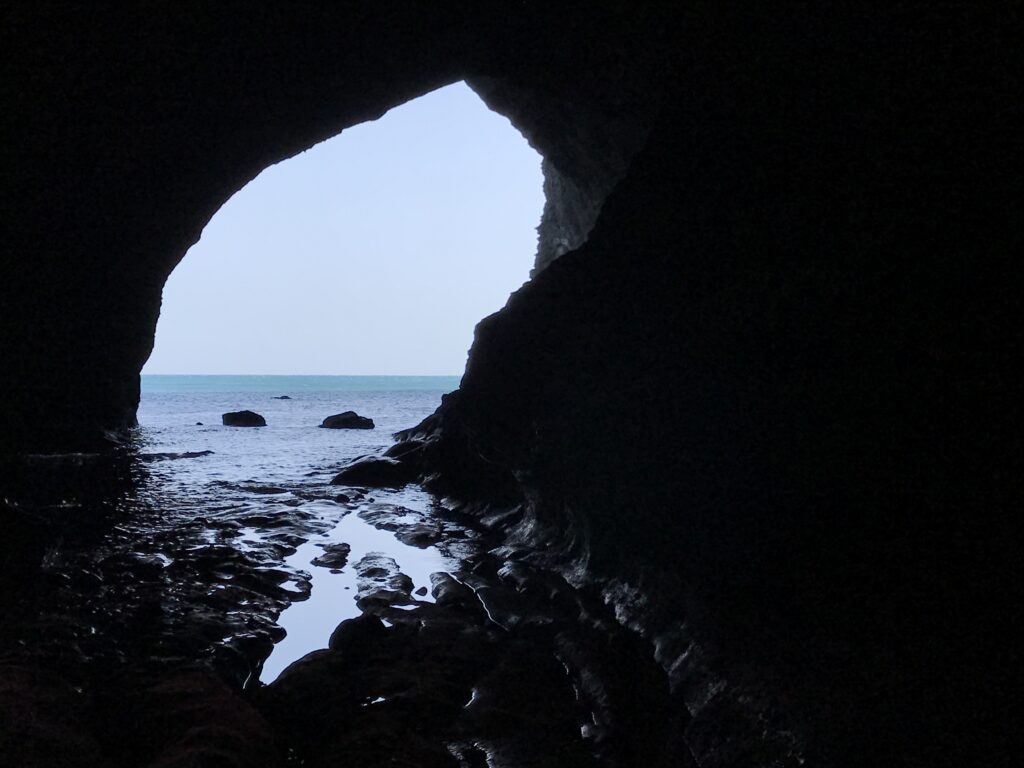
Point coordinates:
[[309, 624]]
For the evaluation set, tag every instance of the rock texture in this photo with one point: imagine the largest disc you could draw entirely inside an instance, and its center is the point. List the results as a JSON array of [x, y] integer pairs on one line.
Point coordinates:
[[736, 397], [762, 395], [243, 419], [375, 472], [347, 420]]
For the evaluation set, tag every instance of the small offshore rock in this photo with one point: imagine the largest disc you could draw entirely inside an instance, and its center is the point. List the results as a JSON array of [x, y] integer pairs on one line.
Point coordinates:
[[347, 420], [281, 397], [199, 423], [375, 472], [243, 419]]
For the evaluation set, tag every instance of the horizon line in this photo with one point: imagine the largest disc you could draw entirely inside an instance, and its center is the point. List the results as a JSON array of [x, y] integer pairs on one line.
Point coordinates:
[[346, 375]]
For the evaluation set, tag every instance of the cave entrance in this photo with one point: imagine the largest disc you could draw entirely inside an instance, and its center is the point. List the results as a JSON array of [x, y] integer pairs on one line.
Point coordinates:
[[372, 253], [347, 278]]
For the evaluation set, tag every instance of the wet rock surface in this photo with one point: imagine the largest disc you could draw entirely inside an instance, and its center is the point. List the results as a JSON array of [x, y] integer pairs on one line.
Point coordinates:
[[152, 635], [522, 670], [375, 472], [334, 556]]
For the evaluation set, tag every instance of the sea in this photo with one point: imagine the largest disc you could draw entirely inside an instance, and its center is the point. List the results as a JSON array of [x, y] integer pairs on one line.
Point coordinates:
[[265, 492]]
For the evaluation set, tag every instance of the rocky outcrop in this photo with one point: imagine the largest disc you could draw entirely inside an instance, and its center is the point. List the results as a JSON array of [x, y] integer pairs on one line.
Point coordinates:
[[751, 445], [374, 472], [243, 419], [347, 420], [504, 668]]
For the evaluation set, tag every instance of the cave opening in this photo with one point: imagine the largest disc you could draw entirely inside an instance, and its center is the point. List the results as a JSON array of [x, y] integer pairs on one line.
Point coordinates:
[[345, 279], [372, 253]]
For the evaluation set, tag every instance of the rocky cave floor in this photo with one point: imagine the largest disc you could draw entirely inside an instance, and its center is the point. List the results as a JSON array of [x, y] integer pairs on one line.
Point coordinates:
[[115, 656]]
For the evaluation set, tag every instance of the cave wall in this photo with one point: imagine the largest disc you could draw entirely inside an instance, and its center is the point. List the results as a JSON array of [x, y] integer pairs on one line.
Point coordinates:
[[769, 390], [586, 137], [761, 371]]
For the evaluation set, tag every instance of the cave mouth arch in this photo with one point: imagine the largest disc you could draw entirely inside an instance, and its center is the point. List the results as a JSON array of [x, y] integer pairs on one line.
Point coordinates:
[[374, 252], [417, 224]]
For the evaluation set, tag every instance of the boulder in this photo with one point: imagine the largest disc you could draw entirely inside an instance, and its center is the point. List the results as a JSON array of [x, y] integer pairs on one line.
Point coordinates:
[[347, 420], [375, 472], [243, 419]]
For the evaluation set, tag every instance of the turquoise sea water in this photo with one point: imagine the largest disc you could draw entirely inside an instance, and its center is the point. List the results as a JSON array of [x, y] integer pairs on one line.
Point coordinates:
[[183, 413], [156, 384]]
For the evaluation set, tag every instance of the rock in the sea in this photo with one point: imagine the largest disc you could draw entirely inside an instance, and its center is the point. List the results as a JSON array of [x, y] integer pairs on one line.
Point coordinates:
[[281, 397], [375, 472], [347, 420], [243, 419]]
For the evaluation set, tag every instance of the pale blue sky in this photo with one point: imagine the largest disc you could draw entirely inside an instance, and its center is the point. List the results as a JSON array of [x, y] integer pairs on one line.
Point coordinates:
[[375, 252]]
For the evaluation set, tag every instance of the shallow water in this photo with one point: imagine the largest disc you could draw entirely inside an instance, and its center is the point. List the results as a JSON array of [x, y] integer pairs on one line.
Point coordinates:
[[179, 414], [333, 597], [205, 549], [292, 451]]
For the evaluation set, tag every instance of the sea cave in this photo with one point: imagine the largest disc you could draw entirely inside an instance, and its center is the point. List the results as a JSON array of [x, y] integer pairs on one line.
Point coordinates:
[[728, 482]]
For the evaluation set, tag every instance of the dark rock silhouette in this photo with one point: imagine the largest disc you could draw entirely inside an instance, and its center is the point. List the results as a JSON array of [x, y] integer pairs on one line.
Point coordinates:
[[281, 397], [243, 419], [375, 472], [347, 420], [358, 635]]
